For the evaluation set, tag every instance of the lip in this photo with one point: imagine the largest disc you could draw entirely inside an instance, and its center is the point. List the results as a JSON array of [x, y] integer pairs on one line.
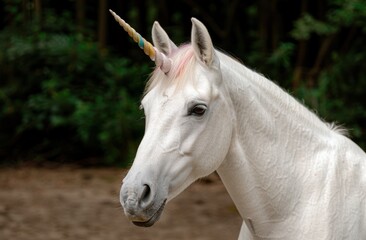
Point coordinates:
[[154, 218]]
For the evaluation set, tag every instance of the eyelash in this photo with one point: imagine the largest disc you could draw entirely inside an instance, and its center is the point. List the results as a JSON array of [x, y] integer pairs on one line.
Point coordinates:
[[198, 110]]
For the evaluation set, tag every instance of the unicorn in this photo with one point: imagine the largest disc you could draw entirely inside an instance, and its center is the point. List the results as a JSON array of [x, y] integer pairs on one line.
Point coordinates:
[[289, 174]]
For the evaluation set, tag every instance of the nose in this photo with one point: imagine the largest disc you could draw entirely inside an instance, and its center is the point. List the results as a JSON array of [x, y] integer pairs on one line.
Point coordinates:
[[136, 199]]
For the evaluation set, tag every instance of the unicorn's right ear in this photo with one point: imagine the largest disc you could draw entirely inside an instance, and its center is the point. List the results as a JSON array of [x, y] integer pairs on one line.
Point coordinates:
[[161, 40]]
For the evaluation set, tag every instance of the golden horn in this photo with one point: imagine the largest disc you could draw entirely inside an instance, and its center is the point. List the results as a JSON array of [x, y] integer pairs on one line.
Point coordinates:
[[160, 59]]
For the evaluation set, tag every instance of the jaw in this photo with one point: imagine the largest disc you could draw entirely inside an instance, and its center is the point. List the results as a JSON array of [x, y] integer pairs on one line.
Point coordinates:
[[153, 219], [142, 212]]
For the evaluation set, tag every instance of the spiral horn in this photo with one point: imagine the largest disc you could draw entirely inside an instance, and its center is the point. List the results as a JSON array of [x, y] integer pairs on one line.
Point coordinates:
[[155, 55]]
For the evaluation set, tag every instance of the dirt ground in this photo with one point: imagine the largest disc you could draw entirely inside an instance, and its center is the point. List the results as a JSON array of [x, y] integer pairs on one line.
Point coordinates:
[[73, 203]]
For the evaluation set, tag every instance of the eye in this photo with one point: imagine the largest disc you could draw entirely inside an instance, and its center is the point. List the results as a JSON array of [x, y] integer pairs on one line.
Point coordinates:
[[198, 110]]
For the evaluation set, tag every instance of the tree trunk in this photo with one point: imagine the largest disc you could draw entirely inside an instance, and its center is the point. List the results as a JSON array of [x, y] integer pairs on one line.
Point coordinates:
[[322, 53], [37, 11], [301, 54], [102, 26], [80, 15]]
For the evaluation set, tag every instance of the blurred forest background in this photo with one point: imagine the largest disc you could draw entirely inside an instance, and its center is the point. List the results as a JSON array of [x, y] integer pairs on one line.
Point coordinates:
[[71, 79]]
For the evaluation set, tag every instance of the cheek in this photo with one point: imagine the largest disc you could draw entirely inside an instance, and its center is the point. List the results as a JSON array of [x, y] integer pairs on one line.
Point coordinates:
[[206, 142], [189, 137], [217, 138]]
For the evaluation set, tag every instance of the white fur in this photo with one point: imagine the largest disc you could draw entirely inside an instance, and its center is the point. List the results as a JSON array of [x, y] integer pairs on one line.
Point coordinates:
[[289, 174]]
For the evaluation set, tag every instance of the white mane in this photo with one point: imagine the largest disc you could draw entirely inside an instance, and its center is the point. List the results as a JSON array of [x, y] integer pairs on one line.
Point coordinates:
[[184, 63]]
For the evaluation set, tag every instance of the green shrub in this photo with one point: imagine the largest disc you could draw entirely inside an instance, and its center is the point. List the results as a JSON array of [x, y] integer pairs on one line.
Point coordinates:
[[61, 100], [339, 94]]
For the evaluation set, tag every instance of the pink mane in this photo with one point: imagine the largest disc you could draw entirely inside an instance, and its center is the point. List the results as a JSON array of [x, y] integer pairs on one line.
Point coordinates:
[[186, 55], [183, 62]]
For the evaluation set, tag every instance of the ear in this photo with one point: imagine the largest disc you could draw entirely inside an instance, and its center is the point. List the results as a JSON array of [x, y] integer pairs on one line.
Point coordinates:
[[201, 42], [161, 39]]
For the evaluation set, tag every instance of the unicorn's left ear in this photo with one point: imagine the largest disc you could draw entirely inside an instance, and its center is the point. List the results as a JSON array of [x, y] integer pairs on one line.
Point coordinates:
[[161, 40], [202, 44]]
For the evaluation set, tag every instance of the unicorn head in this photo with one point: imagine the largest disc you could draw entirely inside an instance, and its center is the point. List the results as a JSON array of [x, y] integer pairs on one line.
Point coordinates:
[[187, 116]]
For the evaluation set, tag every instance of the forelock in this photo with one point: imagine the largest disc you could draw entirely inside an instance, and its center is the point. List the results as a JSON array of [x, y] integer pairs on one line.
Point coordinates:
[[183, 64]]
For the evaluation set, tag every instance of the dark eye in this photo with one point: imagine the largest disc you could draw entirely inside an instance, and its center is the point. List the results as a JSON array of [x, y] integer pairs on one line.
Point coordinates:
[[198, 110]]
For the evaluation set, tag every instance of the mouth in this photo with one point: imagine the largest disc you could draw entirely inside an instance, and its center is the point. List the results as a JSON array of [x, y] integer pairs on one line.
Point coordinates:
[[154, 218]]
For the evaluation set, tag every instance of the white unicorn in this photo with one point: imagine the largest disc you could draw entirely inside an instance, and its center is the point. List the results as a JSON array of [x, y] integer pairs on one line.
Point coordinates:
[[290, 175]]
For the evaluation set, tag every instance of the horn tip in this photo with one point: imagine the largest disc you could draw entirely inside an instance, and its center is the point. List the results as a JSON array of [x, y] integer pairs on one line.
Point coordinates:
[[113, 13]]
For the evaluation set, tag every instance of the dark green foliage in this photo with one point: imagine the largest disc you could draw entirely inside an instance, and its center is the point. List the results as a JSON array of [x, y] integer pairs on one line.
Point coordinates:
[[339, 94], [320, 59], [61, 100]]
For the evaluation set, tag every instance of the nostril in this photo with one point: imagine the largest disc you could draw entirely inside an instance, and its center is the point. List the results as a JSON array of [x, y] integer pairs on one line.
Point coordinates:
[[145, 192], [145, 195]]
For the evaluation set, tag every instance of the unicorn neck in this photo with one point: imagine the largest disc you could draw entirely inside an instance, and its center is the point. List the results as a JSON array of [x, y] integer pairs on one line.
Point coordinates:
[[272, 142], [253, 92]]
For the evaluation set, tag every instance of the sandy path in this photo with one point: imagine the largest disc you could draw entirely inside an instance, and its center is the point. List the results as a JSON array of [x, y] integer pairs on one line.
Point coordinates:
[[72, 203]]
